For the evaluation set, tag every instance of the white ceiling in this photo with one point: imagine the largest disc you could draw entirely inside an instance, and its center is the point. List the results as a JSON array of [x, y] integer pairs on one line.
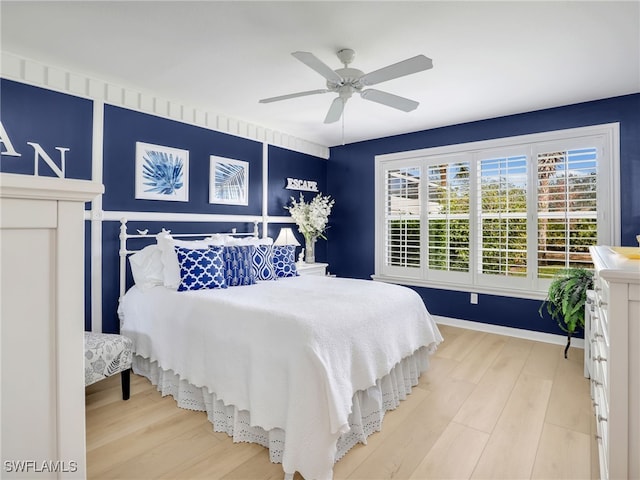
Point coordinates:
[[490, 58]]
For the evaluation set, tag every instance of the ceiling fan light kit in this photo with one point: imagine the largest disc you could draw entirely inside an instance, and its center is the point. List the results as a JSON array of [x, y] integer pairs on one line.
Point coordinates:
[[345, 81]]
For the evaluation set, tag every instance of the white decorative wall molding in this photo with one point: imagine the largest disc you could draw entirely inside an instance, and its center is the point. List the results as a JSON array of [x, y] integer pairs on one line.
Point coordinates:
[[116, 216], [96, 218], [21, 69]]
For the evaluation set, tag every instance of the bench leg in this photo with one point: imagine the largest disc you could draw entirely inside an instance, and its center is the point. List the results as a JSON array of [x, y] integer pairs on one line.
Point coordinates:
[[125, 378]]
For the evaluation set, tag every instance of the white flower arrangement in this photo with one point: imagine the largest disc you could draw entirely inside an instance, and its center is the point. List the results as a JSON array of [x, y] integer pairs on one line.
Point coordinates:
[[312, 217]]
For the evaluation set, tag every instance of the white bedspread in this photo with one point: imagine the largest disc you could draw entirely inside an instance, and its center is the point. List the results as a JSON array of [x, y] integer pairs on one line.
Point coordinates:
[[292, 352]]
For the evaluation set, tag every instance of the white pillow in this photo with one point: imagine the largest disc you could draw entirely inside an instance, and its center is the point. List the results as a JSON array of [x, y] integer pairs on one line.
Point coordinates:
[[171, 269], [146, 267]]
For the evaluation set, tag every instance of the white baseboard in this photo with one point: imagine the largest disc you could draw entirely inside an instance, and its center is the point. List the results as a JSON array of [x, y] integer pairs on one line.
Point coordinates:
[[509, 331]]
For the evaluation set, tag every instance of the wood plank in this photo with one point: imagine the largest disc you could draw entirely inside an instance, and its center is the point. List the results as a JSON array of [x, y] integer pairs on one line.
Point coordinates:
[[485, 404], [392, 420], [543, 360], [557, 445], [510, 451], [403, 449], [454, 455], [480, 358], [457, 347], [570, 403]]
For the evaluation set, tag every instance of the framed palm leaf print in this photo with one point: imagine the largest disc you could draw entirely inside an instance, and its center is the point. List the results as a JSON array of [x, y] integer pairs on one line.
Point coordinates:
[[162, 173], [228, 181]]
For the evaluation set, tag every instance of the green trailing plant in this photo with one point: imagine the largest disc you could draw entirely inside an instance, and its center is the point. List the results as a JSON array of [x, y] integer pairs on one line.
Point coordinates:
[[566, 298]]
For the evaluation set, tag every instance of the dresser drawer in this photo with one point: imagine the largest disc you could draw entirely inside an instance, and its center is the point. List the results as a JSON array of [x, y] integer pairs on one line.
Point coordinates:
[[600, 370], [599, 328], [602, 427], [601, 287]]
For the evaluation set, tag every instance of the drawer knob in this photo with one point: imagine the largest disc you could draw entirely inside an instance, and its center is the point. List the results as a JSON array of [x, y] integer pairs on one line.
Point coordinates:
[[600, 359], [597, 383], [601, 303], [601, 418]]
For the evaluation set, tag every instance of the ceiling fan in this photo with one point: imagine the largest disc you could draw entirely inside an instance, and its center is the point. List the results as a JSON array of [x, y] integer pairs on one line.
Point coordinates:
[[345, 81]]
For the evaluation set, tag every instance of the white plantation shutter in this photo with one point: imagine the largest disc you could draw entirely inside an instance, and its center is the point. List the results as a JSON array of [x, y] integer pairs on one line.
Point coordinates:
[[502, 208], [448, 216], [402, 217], [498, 216], [567, 209]]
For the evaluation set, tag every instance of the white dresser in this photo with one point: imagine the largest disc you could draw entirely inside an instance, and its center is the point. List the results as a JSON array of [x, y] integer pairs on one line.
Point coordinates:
[[42, 324], [613, 361]]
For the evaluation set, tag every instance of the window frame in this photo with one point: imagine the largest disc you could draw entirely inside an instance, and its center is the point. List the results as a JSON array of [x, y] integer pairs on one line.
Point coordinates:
[[607, 193]]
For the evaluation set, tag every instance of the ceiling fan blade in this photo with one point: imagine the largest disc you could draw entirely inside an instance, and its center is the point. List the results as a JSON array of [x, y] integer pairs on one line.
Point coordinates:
[[335, 110], [292, 95], [400, 69], [313, 62], [389, 100]]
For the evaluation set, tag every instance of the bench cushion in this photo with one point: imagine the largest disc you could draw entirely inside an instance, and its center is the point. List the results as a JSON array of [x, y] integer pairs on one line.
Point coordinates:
[[105, 354]]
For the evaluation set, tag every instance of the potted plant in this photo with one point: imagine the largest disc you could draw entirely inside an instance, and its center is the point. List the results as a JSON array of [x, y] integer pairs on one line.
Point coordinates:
[[566, 298]]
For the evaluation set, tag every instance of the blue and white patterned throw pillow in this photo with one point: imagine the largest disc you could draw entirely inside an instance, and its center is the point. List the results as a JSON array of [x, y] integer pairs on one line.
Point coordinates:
[[284, 260], [238, 265], [263, 263], [201, 268]]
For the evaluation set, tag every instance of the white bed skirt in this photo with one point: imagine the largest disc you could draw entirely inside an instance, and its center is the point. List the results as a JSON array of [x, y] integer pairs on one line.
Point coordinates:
[[369, 406]]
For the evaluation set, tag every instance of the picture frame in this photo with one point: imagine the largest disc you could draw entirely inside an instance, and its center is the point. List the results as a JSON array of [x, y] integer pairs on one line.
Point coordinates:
[[162, 173], [228, 181]]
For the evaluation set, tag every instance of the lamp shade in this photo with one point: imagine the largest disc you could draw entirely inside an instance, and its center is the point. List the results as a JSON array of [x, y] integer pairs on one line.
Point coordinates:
[[286, 237]]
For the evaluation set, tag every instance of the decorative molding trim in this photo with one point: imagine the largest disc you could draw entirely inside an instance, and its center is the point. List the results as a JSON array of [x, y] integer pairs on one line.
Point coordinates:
[[509, 331], [116, 216], [95, 273], [132, 216], [18, 68]]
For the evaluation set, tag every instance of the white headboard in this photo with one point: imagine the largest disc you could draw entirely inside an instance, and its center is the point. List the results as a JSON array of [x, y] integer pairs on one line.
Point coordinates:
[[125, 251]]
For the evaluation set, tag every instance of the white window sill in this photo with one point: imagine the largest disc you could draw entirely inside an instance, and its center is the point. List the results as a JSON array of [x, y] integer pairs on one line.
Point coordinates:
[[528, 294]]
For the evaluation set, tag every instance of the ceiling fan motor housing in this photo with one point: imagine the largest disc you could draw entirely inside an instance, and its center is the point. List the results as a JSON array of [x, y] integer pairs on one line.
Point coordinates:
[[350, 77]]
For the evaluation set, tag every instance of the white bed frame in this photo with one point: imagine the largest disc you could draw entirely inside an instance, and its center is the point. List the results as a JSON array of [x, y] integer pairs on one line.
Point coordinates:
[[125, 251]]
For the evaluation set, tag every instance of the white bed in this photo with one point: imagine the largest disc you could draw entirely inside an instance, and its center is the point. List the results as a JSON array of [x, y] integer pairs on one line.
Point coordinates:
[[305, 366]]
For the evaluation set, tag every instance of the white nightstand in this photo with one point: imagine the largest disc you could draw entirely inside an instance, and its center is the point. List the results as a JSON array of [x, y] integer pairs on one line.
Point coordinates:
[[312, 268]]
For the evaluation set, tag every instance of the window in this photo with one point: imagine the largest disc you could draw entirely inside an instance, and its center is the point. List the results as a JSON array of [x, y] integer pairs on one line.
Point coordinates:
[[402, 217], [500, 216]]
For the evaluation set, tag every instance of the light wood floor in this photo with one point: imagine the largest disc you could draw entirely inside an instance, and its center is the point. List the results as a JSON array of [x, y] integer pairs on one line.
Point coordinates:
[[488, 407]]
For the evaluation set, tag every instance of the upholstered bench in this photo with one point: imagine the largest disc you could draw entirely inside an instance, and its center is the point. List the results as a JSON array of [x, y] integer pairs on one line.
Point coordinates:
[[106, 354]]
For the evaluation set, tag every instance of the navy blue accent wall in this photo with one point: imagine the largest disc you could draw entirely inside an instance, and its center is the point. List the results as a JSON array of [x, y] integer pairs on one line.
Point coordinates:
[[50, 119], [285, 163], [350, 180], [123, 128]]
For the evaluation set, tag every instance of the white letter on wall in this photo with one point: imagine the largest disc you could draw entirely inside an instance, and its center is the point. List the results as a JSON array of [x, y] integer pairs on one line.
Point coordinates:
[[39, 152], [4, 138]]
